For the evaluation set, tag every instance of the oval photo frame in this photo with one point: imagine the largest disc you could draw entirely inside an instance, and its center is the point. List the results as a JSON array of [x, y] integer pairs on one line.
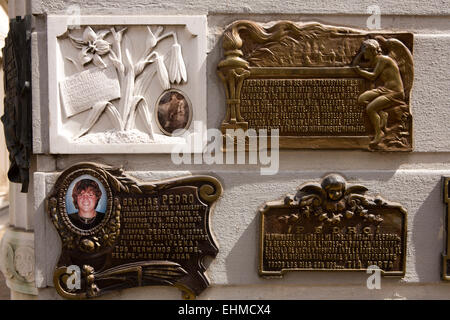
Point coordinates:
[[67, 209], [173, 111]]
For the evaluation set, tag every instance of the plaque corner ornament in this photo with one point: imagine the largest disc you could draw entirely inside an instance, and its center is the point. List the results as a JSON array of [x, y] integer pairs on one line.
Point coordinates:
[[323, 87], [332, 226], [120, 232]]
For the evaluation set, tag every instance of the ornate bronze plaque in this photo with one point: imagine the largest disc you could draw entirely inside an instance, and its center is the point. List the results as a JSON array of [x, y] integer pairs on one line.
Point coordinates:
[[332, 226], [320, 86], [445, 256], [122, 233], [17, 85]]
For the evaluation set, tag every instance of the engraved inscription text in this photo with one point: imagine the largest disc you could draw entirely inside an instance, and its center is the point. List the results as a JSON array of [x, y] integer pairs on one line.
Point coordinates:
[[304, 107]]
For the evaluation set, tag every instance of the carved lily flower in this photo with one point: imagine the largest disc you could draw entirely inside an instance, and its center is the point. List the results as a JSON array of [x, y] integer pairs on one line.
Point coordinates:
[[177, 69], [92, 46], [162, 72], [151, 39]]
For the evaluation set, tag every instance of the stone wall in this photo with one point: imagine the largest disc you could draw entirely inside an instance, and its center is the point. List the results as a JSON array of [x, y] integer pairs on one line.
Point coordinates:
[[412, 179]]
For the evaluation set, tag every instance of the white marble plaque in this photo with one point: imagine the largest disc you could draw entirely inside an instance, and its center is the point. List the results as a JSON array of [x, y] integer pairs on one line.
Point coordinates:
[[108, 76]]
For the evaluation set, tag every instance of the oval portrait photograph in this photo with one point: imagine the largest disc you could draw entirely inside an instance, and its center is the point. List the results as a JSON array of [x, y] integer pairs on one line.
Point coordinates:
[[86, 202], [174, 112]]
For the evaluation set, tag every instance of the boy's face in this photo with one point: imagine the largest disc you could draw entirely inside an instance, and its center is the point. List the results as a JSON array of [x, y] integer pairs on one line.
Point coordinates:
[[335, 192], [87, 200]]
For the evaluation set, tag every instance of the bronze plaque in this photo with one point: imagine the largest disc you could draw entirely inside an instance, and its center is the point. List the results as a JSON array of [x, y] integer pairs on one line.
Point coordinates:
[[122, 233], [320, 86], [332, 226], [17, 124], [445, 256]]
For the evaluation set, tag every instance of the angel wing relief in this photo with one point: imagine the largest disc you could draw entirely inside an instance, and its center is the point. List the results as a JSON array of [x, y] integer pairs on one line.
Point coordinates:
[[118, 232], [332, 226], [110, 80]]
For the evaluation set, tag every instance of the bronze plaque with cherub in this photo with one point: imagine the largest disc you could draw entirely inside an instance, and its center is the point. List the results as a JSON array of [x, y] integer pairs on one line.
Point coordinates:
[[119, 232], [321, 87], [332, 226]]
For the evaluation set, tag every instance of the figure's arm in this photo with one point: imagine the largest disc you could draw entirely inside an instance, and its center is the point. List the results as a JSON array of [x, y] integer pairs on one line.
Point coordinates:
[[356, 59], [372, 76]]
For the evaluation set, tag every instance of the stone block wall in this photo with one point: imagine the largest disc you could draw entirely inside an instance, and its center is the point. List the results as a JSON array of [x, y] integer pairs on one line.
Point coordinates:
[[412, 179]]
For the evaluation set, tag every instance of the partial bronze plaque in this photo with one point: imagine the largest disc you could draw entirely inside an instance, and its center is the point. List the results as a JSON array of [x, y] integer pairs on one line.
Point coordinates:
[[17, 124], [445, 256], [320, 86], [122, 233], [332, 226]]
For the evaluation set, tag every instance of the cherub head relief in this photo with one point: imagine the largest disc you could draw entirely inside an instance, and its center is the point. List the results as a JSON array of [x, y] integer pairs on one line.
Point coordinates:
[[331, 195], [333, 200], [330, 202], [334, 186]]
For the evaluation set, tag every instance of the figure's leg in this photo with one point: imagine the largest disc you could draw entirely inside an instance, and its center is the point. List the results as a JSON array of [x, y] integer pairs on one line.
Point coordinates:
[[383, 121], [373, 108], [366, 97]]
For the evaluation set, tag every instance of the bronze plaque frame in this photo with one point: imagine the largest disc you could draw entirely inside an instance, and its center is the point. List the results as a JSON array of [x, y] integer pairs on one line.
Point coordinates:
[[154, 233], [310, 209], [252, 51], [445, 256]]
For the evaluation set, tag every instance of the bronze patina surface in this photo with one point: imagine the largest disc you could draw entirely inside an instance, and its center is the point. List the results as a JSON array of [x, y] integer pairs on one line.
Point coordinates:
[[332, 226], [321, 86], [149, 233], [17, 85], [445, 256]]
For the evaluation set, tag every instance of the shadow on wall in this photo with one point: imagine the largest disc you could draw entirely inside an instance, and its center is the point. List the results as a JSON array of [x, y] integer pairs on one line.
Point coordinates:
[[4, 290], [242, 261], [248, 193], [429, 234]]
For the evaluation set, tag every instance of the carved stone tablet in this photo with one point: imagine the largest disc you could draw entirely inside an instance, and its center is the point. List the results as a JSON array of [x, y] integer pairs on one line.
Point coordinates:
[[106, 77], [320, 86], [121, 233], [81, 91], [445, 256], [332, 226]]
